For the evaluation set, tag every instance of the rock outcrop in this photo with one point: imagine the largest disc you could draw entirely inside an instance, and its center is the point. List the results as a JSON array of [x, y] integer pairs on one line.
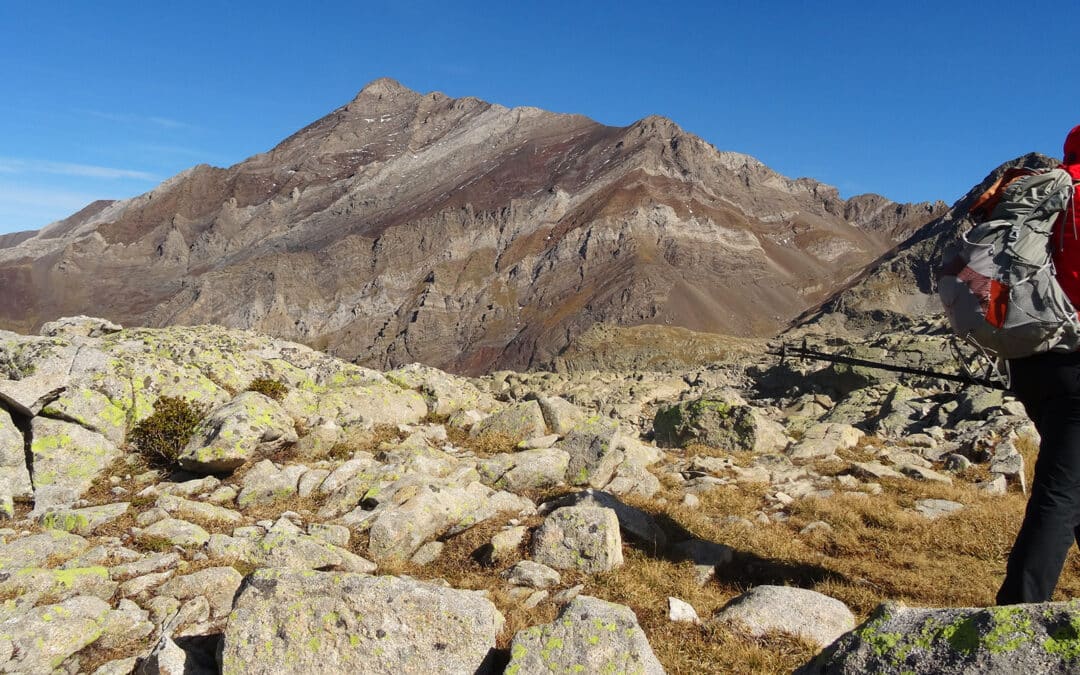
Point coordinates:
[[360, 520]]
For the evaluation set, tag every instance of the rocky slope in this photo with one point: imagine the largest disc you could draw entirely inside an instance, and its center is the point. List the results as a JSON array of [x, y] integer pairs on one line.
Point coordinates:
[[407, 227], [513, 501]]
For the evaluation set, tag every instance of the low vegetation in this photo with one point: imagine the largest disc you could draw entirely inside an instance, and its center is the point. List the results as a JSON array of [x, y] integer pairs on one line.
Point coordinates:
[[162, 435], [269, 387]]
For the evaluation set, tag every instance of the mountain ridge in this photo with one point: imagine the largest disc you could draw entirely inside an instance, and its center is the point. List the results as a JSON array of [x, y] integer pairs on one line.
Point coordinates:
[[416, 227]]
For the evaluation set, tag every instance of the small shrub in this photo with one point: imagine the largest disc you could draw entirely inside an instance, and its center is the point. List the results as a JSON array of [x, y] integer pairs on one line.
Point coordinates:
[[269, 387], [161, 436]]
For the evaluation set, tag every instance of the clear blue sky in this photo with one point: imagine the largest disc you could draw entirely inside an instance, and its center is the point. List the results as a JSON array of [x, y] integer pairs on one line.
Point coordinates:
[[912, 100]]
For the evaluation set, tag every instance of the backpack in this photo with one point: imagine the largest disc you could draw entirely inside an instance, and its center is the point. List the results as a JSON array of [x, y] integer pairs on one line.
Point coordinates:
[[997, 280]]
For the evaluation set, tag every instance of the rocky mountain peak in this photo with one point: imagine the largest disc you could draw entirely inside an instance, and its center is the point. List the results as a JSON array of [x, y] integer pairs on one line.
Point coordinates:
[[417, 227], [385, 87]]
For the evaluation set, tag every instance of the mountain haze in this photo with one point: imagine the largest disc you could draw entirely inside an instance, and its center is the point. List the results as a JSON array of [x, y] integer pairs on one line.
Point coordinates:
[[410, 227]]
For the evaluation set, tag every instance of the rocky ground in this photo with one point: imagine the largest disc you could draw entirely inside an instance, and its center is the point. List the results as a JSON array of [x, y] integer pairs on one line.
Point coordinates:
[[324, 517]]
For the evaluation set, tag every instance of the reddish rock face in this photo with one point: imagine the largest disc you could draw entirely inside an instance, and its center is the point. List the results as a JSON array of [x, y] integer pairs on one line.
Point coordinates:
[[406, 227]]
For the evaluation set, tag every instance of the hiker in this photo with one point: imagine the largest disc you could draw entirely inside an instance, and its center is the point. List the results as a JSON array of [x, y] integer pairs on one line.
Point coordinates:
[[1048, 384]]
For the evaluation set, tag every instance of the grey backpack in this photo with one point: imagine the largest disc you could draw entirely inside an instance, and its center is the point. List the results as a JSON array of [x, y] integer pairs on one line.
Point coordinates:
[[997, 282]]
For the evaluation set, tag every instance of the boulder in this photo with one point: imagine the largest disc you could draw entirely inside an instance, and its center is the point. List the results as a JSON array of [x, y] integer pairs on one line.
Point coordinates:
[[560, 415], [173, 532], [717, 421], [528, 469], [14, 476], [265, 483], [83, 521], [445, 394], [79, 326], [581, 538], [322, 622], [632, 520], [518, 422], [44, 637], [217, 584], [434, 510], [797, 611], [595, 448], [231, 434], [824, 439], [83, 405], [54, 546], [589, 636], [1035, 638], [365, 404], [67, 460]]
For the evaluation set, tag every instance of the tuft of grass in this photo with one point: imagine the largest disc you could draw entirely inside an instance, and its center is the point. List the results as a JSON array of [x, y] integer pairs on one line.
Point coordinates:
[[485, 445], [367, 440], [269, 387], [162, 436]]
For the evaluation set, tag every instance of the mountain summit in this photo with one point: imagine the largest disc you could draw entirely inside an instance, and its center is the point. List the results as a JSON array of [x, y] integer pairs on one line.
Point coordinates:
[[416, 227]]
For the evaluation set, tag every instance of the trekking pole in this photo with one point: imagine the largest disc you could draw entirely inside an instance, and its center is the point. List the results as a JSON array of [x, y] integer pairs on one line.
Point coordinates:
[[804, 352]]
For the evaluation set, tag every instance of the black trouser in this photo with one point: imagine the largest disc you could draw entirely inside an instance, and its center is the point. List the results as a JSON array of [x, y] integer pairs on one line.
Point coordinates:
[[1049, 387]]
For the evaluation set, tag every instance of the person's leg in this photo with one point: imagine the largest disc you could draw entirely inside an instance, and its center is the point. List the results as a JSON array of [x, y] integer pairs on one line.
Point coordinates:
[[1051, 391]]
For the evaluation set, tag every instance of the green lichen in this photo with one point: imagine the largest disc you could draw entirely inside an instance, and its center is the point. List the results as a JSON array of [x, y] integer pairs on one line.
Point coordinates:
[[962, 635], [1011, 628], [1064, 642]]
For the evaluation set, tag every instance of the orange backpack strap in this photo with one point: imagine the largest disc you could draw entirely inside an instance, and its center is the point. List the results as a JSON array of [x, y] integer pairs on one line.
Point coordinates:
[[987, 201]]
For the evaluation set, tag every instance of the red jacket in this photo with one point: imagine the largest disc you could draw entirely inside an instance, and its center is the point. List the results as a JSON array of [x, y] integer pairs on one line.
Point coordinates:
[[1066, 245]]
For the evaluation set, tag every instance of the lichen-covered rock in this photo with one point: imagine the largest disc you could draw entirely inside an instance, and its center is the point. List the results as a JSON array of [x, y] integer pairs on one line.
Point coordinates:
[[589, 636], [322, 622], [85, 520], [824, 439], [797, 611], [582, 538], [445, 394], [1035, 638], [174, 532], [14, 476], [231, 434], [532, 574], [266, 483], [355, 398], [595, 447], [717, 421], [560, 415], [199, 512], [31, 584], [434, 510], [83, 405], [44, 637], [294, 550], [52, 545], [633, 521], [67, 460], [79, 326], [217, 584], [517, 471], [517, 422]]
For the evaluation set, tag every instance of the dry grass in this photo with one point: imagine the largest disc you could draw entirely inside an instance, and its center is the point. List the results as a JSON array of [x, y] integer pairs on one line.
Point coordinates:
[[95, 656], [485, 445]]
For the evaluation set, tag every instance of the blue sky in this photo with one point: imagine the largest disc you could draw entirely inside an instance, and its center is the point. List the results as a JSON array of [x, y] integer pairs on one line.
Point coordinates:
[[915, 100]]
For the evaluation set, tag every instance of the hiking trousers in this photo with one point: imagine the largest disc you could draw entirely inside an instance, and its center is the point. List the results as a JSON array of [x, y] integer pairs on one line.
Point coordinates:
[[1049, 387]]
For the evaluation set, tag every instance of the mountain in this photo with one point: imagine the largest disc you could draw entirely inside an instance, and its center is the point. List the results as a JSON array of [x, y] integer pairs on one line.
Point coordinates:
[[415, 227]]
